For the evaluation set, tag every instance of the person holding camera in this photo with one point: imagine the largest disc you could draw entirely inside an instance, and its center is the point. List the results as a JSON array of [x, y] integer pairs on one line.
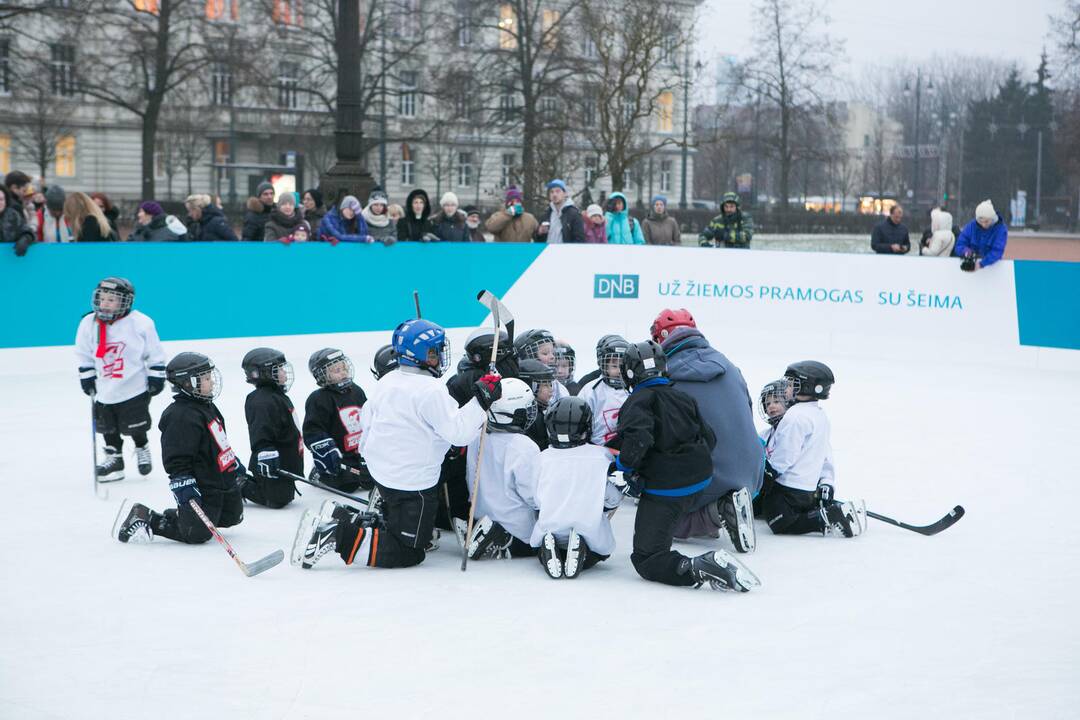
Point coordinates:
[[982, 241], [513, 223]]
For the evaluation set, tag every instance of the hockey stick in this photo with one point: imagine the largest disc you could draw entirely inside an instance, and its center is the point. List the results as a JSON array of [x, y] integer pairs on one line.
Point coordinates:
[[98, 486], [493, 305], [260, 565], [416, 301], [321, 486], [489, 301], [944, 523]]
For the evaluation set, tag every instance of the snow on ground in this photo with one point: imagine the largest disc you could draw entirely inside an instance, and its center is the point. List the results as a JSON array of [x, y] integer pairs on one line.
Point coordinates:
[[978, 622]]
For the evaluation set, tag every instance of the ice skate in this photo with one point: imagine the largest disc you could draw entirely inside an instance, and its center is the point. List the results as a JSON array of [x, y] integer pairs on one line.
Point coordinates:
[[143, 459], [577, 550], [549, 557], [723, 572], [737, 512], [314, 539], [489, 540], [111, 469], [132, 524], [331, 511], [375, 501], [843, 519], [433, 543]]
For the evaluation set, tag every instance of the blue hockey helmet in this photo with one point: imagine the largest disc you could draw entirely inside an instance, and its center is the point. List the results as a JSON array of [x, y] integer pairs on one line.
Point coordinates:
[[415, 340]]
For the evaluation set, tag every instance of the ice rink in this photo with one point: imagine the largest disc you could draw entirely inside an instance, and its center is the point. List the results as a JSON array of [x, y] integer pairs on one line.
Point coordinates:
[[977, 622]]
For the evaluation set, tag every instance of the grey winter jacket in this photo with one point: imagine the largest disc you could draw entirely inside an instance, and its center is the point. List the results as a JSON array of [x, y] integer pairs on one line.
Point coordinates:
[[706, 375]]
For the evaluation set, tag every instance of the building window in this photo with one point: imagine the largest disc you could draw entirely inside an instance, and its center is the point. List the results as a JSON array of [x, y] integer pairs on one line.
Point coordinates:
[[407, 94], [288, 84], [549, 19], [588, 112], [629, 109], [665, 112], [665, 176], [464, 169], [221, 84], [5, 154], [591, 164], [288, 12], [408, 25], [5, 66], [62, 69], [588, 46], [507, 27], [671, 42], [509, 170], [464, 23], [549, 107], [65, 156], [147, 6], [507, 105], [222, 9], [463, 98], [407, 165]]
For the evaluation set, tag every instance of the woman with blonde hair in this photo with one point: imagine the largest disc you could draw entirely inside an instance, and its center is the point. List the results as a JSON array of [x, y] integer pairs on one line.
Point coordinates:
[[206, 220], [86, 220]]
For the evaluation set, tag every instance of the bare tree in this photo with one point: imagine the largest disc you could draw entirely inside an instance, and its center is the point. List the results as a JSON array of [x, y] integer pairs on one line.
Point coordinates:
[[880, 168], [185, 142], [1065, 31], [43, 122], [792, 71]]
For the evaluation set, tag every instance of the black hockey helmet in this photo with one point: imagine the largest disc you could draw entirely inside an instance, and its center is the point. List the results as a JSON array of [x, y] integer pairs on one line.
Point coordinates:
[[527, 345], [565, 361], [384, 361], [112, 298], [194, 375], [536, 373], [568, 422], [643, 361], [515, 410], [774, 391], [478, 347], [267, 366], [810, 378], [331, 368], [610, 349]]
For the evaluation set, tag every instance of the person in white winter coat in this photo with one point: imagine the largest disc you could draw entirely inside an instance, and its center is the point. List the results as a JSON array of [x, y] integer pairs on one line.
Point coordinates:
[[941, 240]]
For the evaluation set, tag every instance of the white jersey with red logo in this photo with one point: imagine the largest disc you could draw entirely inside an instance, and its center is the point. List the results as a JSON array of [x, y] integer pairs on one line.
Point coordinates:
[[122, 355], [606, 402]]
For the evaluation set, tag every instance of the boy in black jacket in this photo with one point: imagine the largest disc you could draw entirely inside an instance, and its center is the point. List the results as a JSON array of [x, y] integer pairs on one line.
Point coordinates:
[[332, 423], [272, 431], [666, 445], [198, 458]]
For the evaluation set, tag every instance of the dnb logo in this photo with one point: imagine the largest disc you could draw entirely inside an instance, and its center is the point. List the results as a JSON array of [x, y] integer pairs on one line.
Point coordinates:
[[615, 286]]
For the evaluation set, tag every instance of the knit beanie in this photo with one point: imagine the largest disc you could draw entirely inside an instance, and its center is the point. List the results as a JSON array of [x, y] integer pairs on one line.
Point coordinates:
[[513, 193], [449, 197], [471, 210], [660, 198], [54, 198], [594, 210], [316, 195], [286, 198], [263, 187], [557, 183], [378, 196], [985, 211], [352, 203], [151, 208]]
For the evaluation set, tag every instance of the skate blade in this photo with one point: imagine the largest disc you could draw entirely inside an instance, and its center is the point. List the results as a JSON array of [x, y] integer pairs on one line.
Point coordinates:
[[125, 507], [744, 508], [744, 576], [860, 516], [553, 564], [571, 568], [112, 477], [303, 534]]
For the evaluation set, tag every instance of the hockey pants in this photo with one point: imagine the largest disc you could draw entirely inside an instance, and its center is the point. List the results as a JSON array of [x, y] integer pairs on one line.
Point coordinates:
[[408, 520], [654, 529], [270, 492], [792, 512], [181, 524]]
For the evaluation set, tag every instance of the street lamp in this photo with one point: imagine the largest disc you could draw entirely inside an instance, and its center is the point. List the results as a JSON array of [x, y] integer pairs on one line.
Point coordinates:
[[918, 118], [686, 122]]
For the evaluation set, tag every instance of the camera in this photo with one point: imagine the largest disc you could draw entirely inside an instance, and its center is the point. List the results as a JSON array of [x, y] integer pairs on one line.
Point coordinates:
[[968, 263]]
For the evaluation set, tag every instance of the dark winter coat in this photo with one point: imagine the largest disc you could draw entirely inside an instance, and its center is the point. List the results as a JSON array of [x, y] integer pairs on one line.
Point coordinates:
[[663, 437], [211, 226], [450, 229], [573, 224], [314, 219], [271, 426], [112, 214], [157, 230], [887, 233], [709, 377], [255, 216], [987, 245], [92, 232], [413, 228], [14, 229], [661, 230], [733, 231], [193, 442], [332, 414], [335, 228], [281, 226]]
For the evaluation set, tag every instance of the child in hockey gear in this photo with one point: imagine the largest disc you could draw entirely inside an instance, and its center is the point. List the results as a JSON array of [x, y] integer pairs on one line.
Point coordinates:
[[565, 365], [505, 502], [121, 366], [385, 360], [573, 494], [801, 456], [539, 345], [772, 404], [541, 380], [332, 422], [607, 394], [665, 442], [196, 453], [274, 437], [406, 429]]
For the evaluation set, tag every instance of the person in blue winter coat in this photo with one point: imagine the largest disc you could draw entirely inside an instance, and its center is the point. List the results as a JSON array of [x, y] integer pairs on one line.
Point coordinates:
[[621, 228], [345, 223], [983, 239], [708, 376]]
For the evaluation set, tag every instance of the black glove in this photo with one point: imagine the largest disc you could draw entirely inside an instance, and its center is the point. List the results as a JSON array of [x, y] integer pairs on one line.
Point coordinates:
[[487, 390], [327, 457], [269, 462], [184, 488], [825, 494], [155, 382], [88, 380], [632, 488]]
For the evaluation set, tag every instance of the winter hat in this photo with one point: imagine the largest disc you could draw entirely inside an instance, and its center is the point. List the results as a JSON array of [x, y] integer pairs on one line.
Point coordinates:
[[594, 210], [660, 198], [471, 210], [316, 195], [378, 196], [302, 225], [352, 203], [54, 198], [985, 211], [513, 193], [449, 197], [287, 198], [557, 183], [151, 208], [263, 187]]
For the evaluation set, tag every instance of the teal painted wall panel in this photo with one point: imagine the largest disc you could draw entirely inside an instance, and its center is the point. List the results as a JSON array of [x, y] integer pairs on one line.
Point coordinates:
[[1048, 303]]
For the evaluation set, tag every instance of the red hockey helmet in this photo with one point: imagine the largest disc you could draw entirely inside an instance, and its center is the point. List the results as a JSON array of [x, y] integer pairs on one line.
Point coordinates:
[[668, 320]]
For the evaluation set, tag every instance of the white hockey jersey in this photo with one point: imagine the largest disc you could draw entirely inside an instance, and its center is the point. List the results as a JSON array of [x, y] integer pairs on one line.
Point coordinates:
[[507, 487], [558, 390], [572, 489], [606, 402], [409, 423], [801, 449], [122, 357]]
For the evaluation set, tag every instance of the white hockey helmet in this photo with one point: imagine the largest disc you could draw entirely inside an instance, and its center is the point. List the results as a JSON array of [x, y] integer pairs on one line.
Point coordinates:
[[515, 410]]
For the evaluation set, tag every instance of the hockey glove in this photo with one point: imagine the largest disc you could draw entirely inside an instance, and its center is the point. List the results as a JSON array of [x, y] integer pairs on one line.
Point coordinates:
[[88, 380], [487, 390], [184, 488], [268, 463], [825, 493], [327, 457], [632, 486]]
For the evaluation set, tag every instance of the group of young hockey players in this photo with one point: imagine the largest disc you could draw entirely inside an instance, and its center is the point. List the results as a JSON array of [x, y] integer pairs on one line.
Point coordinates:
[[541, 459]]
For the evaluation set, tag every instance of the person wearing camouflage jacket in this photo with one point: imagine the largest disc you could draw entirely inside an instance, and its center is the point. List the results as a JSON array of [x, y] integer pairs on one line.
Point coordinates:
[[731, 228]]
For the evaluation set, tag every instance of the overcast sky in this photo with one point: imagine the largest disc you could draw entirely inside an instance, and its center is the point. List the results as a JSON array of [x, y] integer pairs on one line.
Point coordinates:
[[877, 31]]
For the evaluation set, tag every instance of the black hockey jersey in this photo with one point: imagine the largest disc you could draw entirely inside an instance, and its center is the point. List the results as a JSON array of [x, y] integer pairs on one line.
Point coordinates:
[[332, 414], [272, 426], [193, 442]]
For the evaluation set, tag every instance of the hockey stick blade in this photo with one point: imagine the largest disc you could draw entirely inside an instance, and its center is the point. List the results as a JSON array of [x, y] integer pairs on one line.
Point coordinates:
[[263, 564], [493, 303], [944, 523]]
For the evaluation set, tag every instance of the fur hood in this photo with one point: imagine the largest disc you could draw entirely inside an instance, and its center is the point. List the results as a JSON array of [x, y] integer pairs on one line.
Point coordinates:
[[255, 205]]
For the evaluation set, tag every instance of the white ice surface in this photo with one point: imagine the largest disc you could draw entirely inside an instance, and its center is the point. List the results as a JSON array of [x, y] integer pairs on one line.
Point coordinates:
[[978, 622]]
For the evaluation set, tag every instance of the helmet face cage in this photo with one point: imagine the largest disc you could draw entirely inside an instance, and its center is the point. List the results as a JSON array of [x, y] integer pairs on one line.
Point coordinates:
[[443, 352], [110, 301], [337, 372], [565, 362], [540, 345], [414, 346], [283, 375], [205, 385], [774, 396], [522, 419], [609, 360]]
